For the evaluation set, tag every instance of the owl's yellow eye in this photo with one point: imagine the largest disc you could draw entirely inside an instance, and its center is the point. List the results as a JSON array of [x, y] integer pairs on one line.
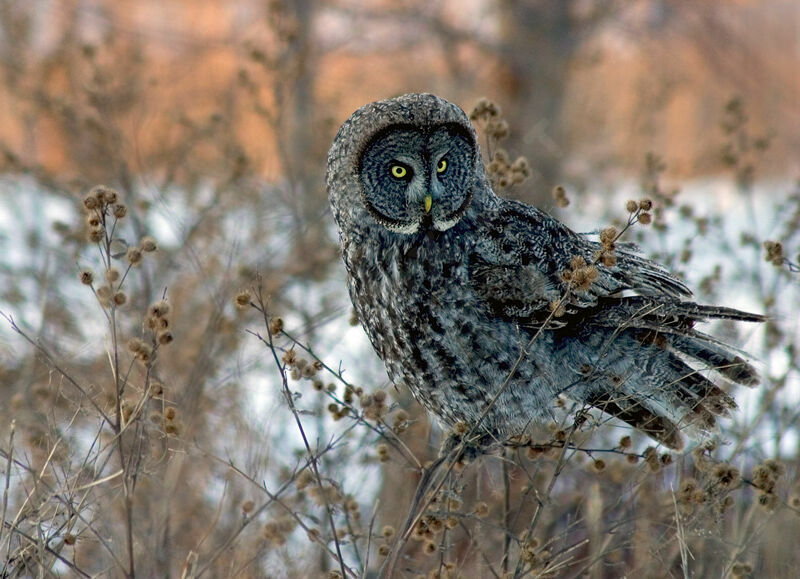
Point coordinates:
[[442, 166], [399, 171]]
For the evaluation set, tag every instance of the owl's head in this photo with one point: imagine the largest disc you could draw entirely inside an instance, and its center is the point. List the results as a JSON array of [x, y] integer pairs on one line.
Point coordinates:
[[407, 164]]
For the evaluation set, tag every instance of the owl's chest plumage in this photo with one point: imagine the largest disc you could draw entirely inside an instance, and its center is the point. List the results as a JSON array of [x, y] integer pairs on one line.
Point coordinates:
[[435, 335]]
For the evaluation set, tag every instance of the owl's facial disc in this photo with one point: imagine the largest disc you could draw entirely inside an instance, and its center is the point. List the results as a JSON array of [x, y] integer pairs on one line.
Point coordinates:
[[414, 179]]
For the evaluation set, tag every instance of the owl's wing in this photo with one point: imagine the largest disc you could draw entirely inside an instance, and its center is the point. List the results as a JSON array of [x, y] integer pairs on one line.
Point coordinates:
[[522, 263], [518, 269]]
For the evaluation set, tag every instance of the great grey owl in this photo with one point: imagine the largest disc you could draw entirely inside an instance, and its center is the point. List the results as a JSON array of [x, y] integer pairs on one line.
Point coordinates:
[[456, 288]]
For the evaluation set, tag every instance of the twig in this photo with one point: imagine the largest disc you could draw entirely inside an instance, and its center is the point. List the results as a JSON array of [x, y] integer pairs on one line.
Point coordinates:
[[290, 401], [8, 481], [394, 440], [546, 498], [365, 568], [42, 350], [49, 549]]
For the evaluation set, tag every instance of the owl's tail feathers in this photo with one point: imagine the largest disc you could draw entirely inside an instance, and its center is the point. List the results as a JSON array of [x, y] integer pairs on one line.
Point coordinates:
[[716, 356], [634, 412], [671, 324], [668, 394], [663, 397]]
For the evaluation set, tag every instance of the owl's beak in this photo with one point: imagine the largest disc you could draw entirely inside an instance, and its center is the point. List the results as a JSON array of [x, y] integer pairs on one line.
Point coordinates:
[[428, 203]]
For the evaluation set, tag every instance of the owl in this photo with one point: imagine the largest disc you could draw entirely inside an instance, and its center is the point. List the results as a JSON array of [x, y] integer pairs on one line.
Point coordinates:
[[464, 296]]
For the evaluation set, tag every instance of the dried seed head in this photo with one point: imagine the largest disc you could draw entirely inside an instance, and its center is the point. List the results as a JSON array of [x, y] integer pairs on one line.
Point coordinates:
[[608, 259], [145, 353], [120, 298], [289, 357], [105, 194], [631, 206], [86, 276], [774, 251], [275, 325], [104, 292], [158, 309], [242, 299], [134, 256], [776, 467], [608, 235], [326, 494], [120, 211], [112, 274], [577, 262], [726, 476], [277, 530], [388, 532], [135, 344], [481, 510], [96, 234], [645, 218], [436, 525], [560, 196], [768, 501], [520, 165], [304, 479], [352, 507], [650, 456], [484, 109], [557, 307], [248, 506], [148, 244], [90, 202], [645, 204], [498, 129], [400, 422], [165, 337]]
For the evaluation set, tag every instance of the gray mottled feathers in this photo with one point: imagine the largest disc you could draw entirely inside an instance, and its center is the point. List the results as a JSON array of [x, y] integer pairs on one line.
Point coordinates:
[[451, 300]]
